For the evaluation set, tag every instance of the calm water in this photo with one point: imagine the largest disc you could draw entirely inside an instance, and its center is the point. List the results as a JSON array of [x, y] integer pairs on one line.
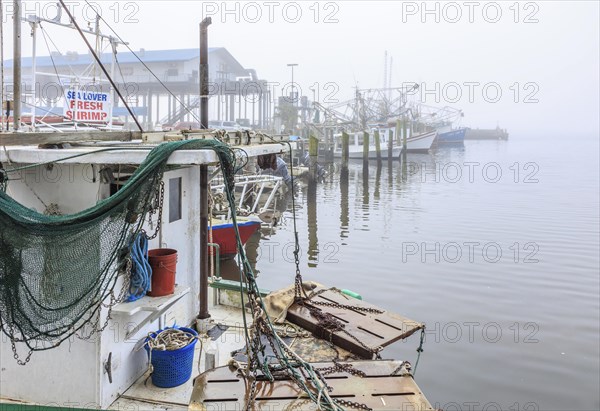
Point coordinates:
[[497, 253]]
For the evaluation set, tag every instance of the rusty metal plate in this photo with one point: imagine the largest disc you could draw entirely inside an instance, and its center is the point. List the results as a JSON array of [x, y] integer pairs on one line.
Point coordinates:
[[370, 329], [224, 389]]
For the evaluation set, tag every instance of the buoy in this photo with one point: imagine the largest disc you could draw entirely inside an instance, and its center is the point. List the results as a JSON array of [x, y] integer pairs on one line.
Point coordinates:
[[352, 294]]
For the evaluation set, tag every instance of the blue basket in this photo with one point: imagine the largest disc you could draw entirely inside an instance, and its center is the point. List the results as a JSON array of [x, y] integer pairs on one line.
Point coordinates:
[[172, 368]]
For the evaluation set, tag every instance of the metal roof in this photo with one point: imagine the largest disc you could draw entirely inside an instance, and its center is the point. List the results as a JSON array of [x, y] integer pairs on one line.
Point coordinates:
[[147, 56]]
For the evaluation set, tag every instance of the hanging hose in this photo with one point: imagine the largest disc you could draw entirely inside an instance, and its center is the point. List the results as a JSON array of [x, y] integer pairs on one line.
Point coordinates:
[[141, 272], [419, 350]]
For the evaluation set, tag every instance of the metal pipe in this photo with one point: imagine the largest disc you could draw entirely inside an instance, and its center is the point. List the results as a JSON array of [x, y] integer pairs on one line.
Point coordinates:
[[204, 266], [204, 72], [34, 25], [2, 67], [17, 66]]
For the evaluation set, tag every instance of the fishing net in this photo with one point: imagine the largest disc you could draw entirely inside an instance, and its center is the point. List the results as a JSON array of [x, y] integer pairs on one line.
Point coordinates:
[[56, 272]]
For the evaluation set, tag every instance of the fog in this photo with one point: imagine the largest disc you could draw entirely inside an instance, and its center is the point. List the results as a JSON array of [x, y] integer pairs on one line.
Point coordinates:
[[542, 57]]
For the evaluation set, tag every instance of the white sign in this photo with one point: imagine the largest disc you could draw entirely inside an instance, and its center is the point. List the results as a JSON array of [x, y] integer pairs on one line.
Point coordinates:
[[87, 106]]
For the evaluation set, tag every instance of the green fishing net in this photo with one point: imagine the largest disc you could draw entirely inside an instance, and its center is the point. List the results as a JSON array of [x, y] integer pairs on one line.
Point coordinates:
[[56, 272]]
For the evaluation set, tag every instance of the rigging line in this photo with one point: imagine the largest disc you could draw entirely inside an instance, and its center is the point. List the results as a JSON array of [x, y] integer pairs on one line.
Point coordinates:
[[57, 77], [100, 64], [57, 49], [146, 67], [47, 37]]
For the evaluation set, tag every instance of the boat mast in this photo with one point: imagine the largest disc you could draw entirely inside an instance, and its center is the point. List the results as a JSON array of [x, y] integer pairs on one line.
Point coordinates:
[[35, 22]]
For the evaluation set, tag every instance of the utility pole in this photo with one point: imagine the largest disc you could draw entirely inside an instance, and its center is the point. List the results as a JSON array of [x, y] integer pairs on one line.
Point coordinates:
[[295, 119]]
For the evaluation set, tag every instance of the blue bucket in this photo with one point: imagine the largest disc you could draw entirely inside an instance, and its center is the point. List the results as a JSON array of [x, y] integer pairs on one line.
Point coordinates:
[[172, 368]]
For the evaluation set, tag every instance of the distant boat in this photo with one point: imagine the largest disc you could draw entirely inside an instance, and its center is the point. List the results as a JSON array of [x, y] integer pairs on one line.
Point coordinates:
[[355, 147], [421, 142], [456, 136]]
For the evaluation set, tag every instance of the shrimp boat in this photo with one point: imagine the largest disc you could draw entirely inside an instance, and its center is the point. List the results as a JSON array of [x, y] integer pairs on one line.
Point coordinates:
[[421, 143], [414, 143], [111, 370], [355, 148], [76, 223], [450, 136], [255, 209]]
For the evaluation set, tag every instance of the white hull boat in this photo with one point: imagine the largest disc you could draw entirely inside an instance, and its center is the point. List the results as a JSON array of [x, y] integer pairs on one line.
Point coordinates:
[[421, 142]]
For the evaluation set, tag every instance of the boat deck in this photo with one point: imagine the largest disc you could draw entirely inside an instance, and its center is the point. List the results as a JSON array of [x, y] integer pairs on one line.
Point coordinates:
[[384, 384], [144, 395]]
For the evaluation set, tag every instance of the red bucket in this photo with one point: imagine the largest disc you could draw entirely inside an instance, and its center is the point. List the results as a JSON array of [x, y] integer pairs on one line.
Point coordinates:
[[164, 263]]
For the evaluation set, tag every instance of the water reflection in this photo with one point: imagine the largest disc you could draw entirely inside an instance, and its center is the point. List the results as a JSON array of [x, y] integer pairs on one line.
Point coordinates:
[[344, 207], [376, 194], [311, 214], [365, 186]]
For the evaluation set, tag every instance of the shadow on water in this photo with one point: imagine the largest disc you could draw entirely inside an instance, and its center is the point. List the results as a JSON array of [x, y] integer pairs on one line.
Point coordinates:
[[311, 214], [377, 192], [344, 206]]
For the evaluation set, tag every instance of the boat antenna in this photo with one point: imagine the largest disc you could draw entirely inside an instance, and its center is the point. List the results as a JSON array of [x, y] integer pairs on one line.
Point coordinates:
[[91, 49]]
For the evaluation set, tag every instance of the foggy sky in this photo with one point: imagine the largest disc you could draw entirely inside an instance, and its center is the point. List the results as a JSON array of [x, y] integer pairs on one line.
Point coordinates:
[[553, 58]]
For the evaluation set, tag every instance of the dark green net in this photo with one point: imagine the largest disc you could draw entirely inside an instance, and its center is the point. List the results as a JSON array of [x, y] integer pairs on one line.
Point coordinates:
[[56, 272]]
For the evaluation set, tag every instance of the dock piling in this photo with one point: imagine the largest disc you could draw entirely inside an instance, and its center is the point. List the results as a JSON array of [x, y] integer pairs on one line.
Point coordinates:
[[345, 148], [313, 152], [377, 146], [365, 147], [390, 144], [404, 134]]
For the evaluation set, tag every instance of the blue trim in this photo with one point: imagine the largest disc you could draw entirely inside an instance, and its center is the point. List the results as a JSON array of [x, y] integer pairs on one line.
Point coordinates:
[[244, 224]]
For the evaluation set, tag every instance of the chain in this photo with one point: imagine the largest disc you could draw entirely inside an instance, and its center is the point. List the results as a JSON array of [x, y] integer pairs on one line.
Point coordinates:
[[16, 355], [407, 368], [348, 307], [332, 324], [159, 202], [353, 404], [339, 305]]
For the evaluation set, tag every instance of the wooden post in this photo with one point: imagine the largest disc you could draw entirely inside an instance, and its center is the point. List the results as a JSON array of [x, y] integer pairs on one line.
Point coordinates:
[[313, 152], [390, 144], [365, 146], [311, 217], [378, 145], [404, 134], [345, 148]]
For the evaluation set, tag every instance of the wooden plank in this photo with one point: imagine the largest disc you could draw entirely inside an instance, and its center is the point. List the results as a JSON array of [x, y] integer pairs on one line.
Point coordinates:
[[24, 139], [225, 388], [372, 330]]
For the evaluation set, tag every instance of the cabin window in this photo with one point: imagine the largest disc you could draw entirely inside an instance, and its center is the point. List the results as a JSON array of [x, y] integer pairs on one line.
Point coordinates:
[[174, 199], [172, 72]]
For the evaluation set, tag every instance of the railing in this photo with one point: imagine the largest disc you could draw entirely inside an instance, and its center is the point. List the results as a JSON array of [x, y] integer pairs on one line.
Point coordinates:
[[246, 182]]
